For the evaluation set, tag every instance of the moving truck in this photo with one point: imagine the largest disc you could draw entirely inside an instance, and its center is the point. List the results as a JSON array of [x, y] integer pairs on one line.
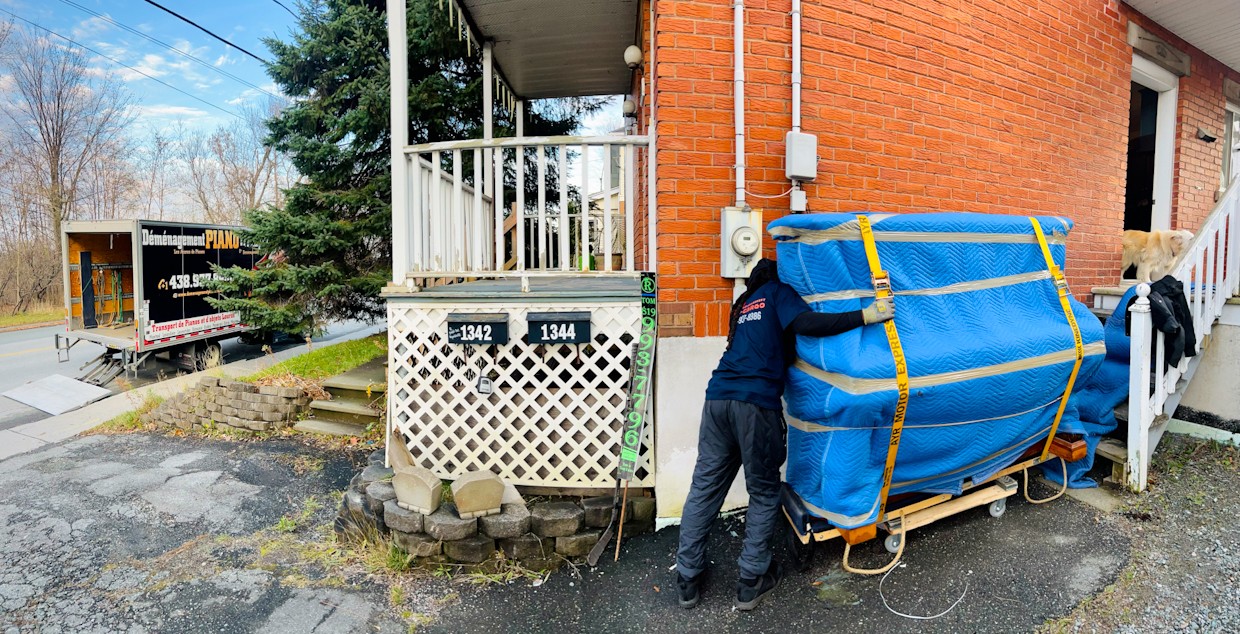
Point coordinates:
[[137, 287]]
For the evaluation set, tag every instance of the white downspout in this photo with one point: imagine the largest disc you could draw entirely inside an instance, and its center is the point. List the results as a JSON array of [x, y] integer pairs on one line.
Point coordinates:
[[796, 65], [797, 202], [738, 94], [652, 158]]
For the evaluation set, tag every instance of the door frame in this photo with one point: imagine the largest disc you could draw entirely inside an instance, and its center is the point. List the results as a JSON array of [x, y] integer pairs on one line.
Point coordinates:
[[1167, 84]]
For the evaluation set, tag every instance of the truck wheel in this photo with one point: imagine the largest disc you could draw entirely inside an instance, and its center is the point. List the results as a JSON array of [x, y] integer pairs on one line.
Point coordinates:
[[208, 354]]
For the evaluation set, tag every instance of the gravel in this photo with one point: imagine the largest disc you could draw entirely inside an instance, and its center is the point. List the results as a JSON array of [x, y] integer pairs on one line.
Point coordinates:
[[1185, 570]]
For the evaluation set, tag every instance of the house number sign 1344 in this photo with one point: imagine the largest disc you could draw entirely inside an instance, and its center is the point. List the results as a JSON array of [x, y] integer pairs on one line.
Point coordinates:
[[559, 327]]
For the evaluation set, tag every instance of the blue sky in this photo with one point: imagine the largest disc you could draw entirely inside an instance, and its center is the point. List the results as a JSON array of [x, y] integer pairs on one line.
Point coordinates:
[[242, 22]]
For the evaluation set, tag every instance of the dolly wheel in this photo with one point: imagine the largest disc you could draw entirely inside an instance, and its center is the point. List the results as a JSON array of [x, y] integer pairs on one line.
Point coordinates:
[[998, 507], [892, 543]]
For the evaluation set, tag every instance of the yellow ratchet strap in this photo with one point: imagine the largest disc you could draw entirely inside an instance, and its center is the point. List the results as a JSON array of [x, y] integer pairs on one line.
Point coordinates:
[[1061, 286], [882, 290]]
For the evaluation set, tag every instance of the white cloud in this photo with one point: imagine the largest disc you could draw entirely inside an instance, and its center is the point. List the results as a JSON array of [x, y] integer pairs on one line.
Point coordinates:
[[89, 27], [251, 95], [224, 60]]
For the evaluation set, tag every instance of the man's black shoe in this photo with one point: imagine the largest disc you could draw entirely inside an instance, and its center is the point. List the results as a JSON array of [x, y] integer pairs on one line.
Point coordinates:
[[749, 591], [688, 590]]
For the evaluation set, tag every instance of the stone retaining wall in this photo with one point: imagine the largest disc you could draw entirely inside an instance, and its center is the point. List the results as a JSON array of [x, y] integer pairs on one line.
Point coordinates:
[[232, 404], [539, 536]]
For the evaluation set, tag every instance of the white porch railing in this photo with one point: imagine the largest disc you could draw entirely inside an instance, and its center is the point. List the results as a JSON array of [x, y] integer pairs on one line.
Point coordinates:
[[452, 229], [1210, 272]]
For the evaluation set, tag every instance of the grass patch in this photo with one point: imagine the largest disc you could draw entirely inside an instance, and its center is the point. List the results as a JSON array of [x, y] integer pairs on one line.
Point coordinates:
[[36, 316], [327, 361], [131, 421]]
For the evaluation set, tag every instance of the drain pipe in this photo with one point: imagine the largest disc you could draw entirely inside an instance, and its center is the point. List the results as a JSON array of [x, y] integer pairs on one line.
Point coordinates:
[[738, 94], [796, 67], [797, 201]]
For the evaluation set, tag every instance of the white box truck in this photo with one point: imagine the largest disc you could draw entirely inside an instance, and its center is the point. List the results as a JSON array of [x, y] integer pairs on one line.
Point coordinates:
[[136, 287]]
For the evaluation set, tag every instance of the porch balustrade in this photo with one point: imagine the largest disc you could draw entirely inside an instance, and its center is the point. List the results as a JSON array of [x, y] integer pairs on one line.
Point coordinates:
[[520, 206]]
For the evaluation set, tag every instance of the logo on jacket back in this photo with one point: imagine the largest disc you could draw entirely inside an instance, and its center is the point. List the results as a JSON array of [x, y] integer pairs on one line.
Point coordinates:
[[752, 311]]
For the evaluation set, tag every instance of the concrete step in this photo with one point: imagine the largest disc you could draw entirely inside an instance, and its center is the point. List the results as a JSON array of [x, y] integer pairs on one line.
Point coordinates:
[[343, 412], [362, 384], [330, 428]]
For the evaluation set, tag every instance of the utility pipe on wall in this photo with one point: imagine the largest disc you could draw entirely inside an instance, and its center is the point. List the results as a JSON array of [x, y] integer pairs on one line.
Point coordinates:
[[796, 65], [738, 94]]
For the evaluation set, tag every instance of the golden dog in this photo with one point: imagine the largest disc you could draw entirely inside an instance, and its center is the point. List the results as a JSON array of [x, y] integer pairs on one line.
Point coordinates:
[[1153, 252]]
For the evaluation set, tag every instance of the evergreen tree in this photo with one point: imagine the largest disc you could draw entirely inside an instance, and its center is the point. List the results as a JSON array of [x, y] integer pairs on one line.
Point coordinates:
[[333, 234]]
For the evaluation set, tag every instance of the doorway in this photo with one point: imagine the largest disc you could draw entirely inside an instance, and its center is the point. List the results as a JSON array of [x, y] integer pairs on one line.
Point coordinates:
[[1139, 185], [1151, 146]]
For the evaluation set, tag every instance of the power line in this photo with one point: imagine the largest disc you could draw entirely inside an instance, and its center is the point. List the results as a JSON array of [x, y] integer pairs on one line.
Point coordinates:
[[203, 29], [174, 49], [290, 11], [116, 61]]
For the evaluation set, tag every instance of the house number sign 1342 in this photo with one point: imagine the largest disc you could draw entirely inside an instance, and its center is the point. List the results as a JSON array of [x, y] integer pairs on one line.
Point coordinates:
[[478, 328], [559, 327]]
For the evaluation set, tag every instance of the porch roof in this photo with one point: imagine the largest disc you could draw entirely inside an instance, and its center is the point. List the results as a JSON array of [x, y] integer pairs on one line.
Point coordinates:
[[1210, 25], [558, 48]]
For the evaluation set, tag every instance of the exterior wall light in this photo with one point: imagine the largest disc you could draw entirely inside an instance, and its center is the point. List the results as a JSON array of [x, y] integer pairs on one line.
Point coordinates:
[[633, 56]]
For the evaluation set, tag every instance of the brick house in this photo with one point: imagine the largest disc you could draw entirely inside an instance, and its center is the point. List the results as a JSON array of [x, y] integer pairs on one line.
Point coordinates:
[[1117, 115]]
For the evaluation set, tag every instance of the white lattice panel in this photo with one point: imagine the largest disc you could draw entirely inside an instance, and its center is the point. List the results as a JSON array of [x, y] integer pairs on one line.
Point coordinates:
[[555, 415]]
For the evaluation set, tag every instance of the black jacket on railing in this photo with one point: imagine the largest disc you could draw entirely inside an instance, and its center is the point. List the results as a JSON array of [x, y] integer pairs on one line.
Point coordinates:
[[1171, 316]]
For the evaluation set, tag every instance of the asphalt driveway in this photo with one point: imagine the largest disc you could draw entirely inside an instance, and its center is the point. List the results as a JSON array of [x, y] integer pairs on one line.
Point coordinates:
[[159, 534]]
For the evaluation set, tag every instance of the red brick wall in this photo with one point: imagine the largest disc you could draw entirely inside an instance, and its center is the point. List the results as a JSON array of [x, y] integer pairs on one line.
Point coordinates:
[[992, 106]]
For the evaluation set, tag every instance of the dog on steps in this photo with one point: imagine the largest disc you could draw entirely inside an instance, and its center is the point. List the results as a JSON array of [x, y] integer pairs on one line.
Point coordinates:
[[1153, 252]]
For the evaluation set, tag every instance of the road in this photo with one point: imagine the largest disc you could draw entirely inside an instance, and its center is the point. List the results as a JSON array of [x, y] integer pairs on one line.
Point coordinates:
[[29, 355]]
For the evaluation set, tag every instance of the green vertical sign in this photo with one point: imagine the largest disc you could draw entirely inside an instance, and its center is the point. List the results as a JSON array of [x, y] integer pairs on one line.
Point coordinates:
[[643, 375]]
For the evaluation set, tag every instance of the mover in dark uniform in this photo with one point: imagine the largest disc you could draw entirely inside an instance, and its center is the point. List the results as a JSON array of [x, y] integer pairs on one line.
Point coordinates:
[[743, 425]]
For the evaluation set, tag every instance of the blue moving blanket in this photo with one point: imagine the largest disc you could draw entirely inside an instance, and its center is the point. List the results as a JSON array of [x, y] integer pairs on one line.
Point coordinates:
[[988, 347]]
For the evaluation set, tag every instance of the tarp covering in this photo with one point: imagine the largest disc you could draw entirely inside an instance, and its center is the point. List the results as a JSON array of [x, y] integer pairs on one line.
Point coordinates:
[[988, 347]]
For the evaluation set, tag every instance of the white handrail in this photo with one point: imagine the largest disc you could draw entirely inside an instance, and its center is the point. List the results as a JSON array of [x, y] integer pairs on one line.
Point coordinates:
[[1209, 270]]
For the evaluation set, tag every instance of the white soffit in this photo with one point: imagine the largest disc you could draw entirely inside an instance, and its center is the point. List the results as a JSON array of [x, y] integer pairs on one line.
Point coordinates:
[[559, 48], [1211, 25]]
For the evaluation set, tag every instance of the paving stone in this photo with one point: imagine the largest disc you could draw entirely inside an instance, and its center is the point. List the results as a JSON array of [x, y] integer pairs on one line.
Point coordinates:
[[446, 525], [471, 550], [556, 519], [416, 487], [208, 382], [240, 386], [356, 512], [513, 521], [598, 510], [375, 473], [511, 495], [641, 509], [478, 494], [527, 546], [377, 493], [417, 544], [401, 519], [577, 544]]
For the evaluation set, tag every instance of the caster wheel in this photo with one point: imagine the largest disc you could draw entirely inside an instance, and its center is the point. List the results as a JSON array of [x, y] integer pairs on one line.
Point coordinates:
[[998, 507], [892, 543]]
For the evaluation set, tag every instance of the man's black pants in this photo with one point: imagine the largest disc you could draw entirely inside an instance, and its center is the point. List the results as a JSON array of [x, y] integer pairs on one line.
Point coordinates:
[[734, 433]]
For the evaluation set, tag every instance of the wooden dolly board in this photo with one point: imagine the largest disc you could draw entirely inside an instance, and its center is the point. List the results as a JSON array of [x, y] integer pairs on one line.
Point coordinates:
[[911, 511]]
